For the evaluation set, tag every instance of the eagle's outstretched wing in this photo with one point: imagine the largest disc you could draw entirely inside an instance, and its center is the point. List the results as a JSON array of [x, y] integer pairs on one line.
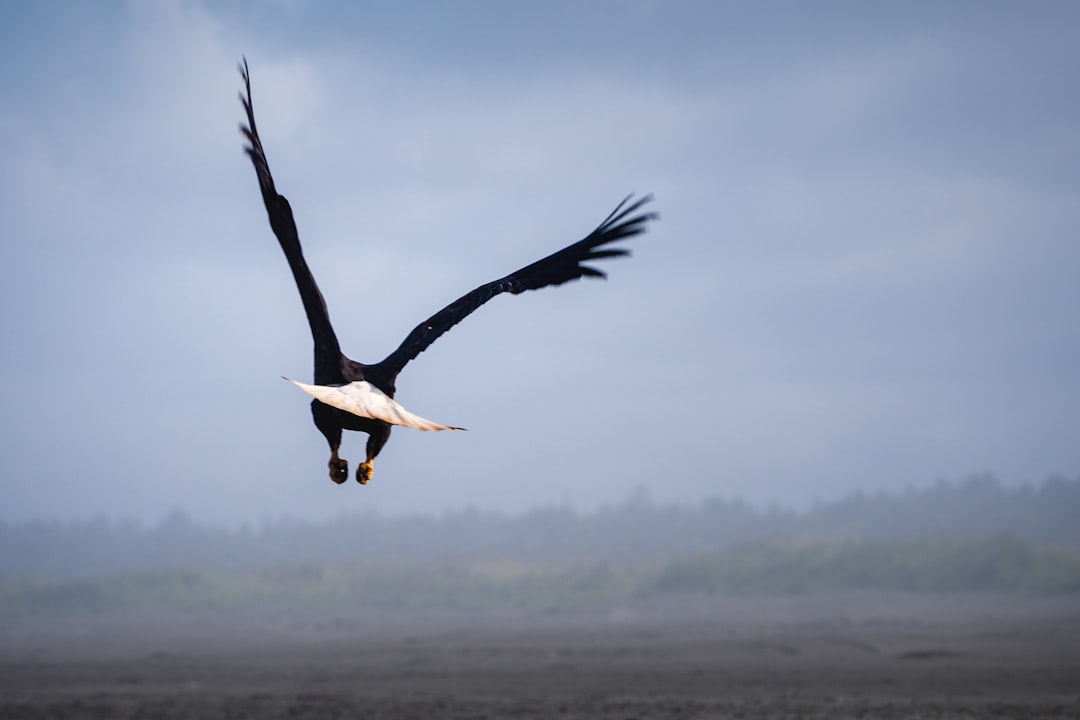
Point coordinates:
[[327, 350], [559, 267]]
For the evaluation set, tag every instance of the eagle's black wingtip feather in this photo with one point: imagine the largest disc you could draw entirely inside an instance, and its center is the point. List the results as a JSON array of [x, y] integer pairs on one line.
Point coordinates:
[[609, 253], [618, 216]]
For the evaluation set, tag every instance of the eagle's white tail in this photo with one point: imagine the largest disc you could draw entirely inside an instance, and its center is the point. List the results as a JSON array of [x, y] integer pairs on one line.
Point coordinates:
[[364, 399]]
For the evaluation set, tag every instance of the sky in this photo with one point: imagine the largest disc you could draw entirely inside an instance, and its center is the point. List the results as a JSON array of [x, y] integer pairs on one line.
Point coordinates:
[[864, 277]]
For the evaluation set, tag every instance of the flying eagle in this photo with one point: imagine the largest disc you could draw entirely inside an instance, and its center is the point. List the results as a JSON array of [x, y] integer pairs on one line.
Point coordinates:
[[353, 396]]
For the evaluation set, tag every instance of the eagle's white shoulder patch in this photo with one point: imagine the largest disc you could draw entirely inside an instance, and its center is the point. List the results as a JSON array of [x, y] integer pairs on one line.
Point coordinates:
[[364, 399]]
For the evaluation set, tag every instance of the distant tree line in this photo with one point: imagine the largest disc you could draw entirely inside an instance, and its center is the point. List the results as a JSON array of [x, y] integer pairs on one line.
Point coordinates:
[[996, 564], [637, 529]]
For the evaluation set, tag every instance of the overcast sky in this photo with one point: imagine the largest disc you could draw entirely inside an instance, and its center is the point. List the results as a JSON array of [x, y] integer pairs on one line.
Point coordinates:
[[866, 274]]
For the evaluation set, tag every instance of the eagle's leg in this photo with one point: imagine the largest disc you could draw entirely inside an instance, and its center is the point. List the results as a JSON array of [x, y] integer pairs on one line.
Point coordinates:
[[376, 439], [325, 421]]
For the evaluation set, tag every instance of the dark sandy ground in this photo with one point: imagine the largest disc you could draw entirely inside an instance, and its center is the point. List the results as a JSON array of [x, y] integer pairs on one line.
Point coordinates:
[[854, 655]]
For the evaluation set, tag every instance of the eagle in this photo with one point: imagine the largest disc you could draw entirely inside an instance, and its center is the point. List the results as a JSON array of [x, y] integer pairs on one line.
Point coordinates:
[[351, 395]]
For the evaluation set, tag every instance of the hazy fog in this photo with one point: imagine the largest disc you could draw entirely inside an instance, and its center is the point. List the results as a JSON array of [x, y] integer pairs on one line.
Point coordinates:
[[865, 274]]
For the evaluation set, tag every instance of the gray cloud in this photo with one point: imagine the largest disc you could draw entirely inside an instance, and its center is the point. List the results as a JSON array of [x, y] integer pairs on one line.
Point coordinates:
[[863, 277]]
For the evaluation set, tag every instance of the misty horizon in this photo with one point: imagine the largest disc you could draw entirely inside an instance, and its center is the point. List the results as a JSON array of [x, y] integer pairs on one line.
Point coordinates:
[[638, 528], [638, 495]]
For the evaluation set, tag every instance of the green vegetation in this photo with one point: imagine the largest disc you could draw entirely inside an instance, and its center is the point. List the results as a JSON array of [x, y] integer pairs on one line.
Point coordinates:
[[1000, 564], [328, 586]]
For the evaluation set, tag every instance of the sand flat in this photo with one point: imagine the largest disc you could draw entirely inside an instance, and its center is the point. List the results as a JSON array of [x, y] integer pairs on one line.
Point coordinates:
[[833, 655]]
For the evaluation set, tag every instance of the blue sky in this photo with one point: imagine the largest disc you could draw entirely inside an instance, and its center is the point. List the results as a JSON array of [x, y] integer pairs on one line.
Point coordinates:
[[865, 274]]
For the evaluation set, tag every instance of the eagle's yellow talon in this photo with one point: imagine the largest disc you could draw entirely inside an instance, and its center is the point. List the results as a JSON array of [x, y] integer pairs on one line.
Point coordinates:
[[364, 472]]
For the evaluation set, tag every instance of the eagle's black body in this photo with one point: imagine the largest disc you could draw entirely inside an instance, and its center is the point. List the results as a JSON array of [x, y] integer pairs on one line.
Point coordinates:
[[331, 365]]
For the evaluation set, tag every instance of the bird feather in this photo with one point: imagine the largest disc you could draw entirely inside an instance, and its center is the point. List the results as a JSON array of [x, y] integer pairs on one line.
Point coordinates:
[[365, 400]]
